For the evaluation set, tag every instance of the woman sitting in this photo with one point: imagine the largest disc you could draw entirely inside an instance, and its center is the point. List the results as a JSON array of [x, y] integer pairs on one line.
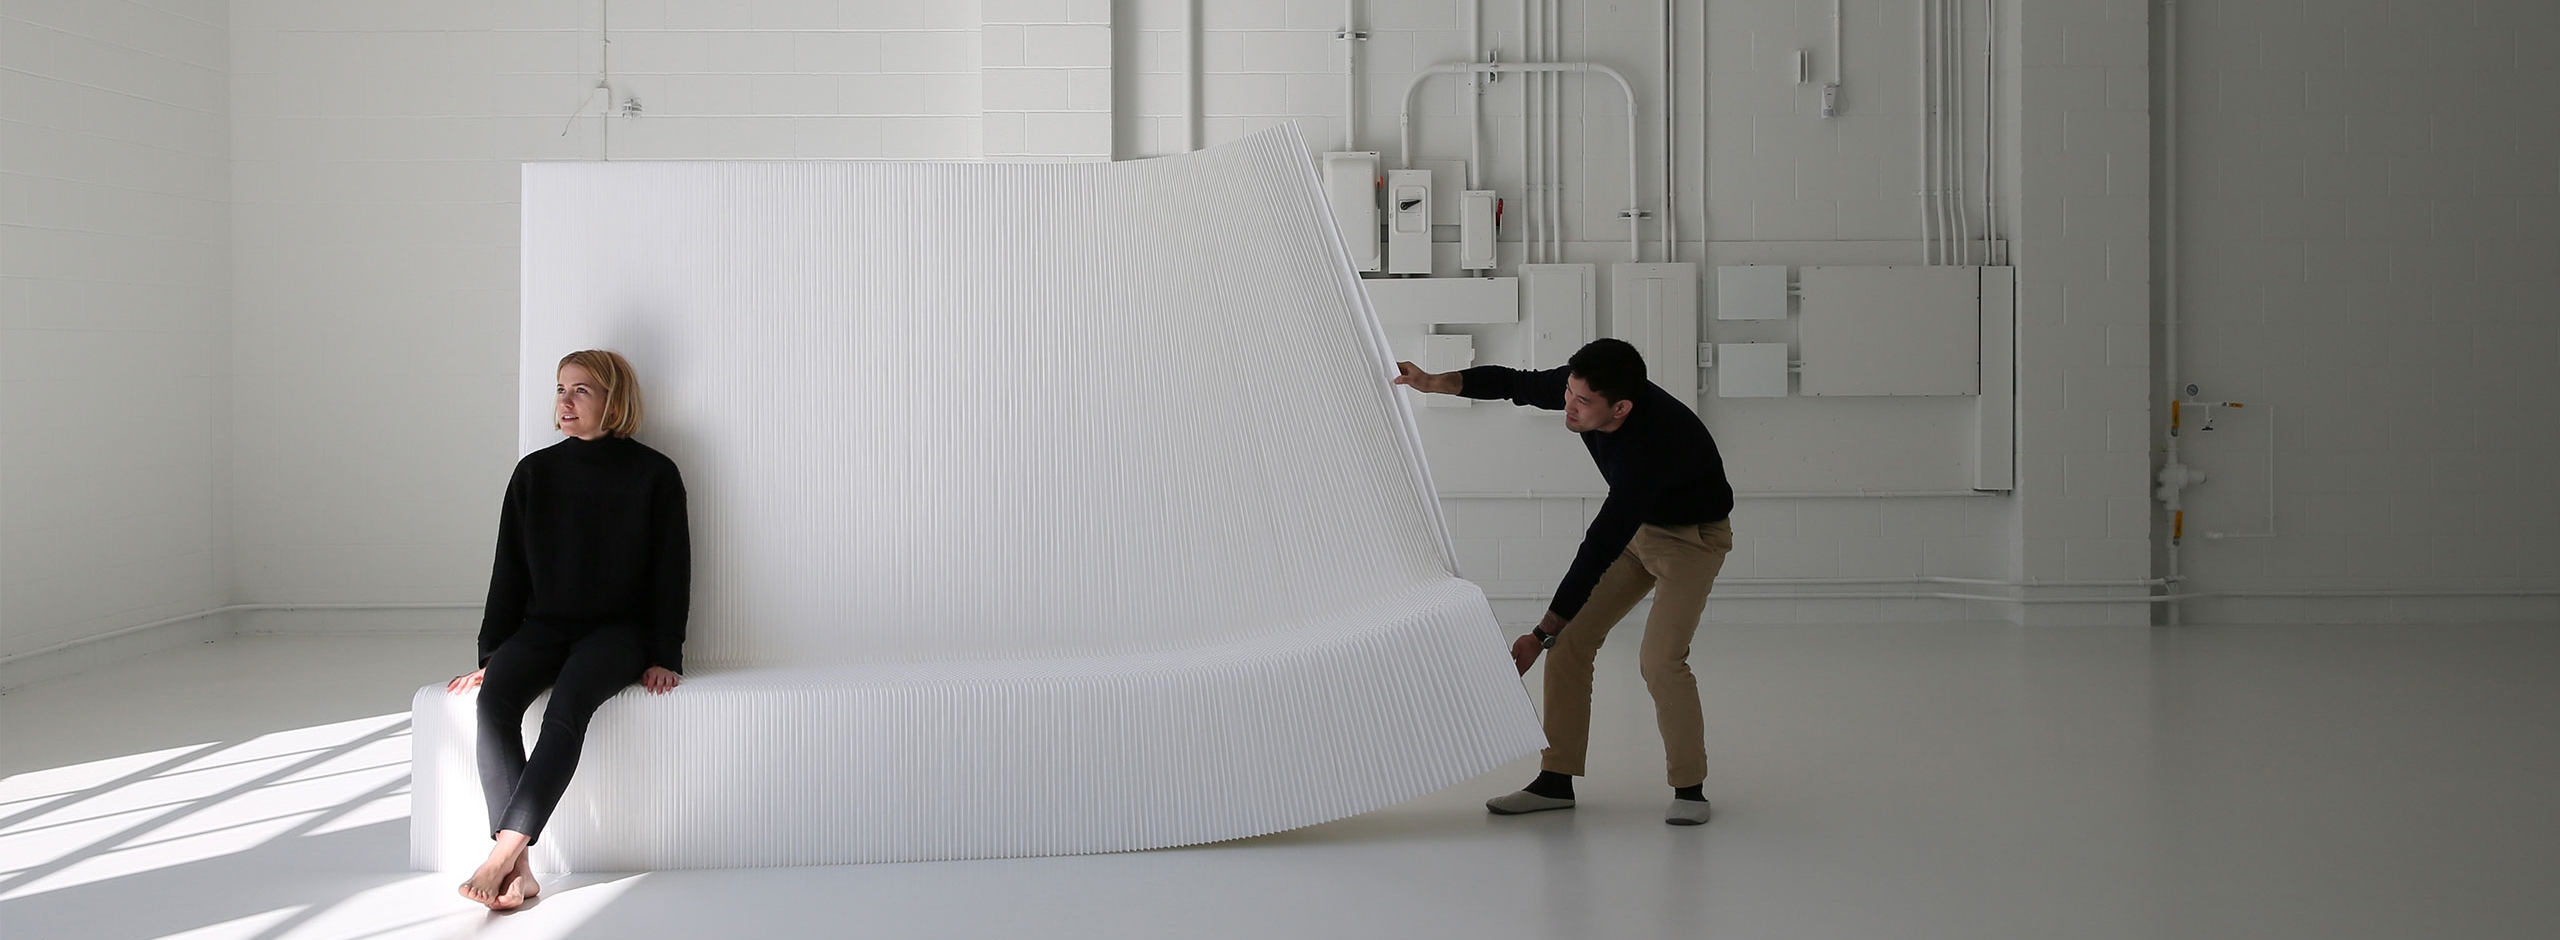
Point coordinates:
[[588, 595]]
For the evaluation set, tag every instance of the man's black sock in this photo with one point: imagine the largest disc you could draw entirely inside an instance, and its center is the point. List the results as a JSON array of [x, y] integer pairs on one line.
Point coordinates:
[[1696, 792], [1552, 785]]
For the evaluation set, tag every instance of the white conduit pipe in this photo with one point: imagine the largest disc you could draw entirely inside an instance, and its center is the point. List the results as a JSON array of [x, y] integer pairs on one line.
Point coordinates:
[[1404, 121], [2169, 272], [1350, 75], [1550, 126], [1955, 131], [1933, 33], [1190, 75], [1529, 247], [1991, 133], [1928, 219], [1475, 96], [1669, 225], [1553, 43]]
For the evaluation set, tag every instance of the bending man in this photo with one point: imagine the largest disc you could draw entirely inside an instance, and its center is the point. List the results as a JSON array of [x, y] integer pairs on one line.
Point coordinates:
[[1664, 528]]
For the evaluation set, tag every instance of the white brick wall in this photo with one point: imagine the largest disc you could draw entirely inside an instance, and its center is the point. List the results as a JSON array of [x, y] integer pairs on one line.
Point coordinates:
[[2082, 243], [2370, 191], [328, 315], [114, 275], [1048, 80]]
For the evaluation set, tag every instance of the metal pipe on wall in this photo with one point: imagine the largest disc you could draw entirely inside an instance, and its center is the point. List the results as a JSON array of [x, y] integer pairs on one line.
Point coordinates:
[[1405, 120]]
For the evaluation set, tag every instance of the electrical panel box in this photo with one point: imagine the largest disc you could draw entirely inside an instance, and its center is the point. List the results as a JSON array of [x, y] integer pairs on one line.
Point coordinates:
[[1891, 330], [1655, 307], [1475, 230], [1557, 313], [1409, 222], [1751, 370], [1351, 187], [1751, 292]]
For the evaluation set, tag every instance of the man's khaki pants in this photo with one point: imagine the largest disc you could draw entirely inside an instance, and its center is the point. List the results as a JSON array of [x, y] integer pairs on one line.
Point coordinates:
[[1679, 564]]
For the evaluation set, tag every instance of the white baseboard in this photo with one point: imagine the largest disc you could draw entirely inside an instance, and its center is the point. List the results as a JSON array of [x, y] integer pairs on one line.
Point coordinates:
[[306, 621], [90, 654]]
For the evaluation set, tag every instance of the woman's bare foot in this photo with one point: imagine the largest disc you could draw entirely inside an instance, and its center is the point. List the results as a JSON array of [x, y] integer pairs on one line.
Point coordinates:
[[489, 883], [520, 884]]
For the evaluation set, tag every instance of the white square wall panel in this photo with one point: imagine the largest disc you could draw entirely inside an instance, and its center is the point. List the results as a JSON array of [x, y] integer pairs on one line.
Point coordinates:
[[1558, 311], [1891, 330], [1751, 292], [1751, 370]]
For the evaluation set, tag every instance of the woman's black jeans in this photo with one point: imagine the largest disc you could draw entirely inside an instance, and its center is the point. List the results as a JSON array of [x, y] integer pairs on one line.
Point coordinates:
[[582, 665]]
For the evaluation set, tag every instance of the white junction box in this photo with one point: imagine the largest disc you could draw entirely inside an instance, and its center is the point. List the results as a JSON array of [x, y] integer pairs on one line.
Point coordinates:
[[1751, 292], [1891, 330], [1751, 370], [1351, 187], [1409, 222], [1475, 230]]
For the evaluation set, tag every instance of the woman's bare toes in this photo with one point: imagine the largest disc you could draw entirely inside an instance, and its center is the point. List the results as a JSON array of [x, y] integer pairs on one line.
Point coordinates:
[[488, 885], [520, 885]]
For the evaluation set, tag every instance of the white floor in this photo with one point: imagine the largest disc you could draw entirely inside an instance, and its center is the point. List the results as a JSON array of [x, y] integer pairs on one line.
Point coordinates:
[[1959, 781]]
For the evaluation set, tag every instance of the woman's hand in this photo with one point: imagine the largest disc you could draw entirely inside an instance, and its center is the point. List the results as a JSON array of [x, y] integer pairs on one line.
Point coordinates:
[[466, 681], [658, 679]]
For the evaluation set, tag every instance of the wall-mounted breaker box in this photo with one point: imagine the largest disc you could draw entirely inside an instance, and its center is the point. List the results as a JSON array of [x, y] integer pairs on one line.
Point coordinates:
[[1751, 292], [1751, 370], [1409, 221], [1351, 187], [1475, 230]]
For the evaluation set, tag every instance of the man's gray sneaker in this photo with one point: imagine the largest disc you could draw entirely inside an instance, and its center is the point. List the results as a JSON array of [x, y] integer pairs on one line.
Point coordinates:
[[1687, 813], [1523, 801]]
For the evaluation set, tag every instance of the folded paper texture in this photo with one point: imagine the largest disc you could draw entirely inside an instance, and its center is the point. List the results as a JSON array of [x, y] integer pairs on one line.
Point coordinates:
[[1037, 509]]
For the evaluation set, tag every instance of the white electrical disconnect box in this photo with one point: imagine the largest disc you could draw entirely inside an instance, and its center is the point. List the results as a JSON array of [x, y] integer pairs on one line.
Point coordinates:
[[1751, 292], [1891, 330], [1751, 370], [1409, 222], [1475, 230], [1351, 187]]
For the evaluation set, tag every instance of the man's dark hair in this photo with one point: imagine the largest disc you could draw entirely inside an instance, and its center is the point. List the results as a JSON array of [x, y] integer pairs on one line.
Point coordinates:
[[1611, 367]]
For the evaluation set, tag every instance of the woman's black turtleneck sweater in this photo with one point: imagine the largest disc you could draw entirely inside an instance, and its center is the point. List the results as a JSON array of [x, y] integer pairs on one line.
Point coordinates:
[[593, 533]]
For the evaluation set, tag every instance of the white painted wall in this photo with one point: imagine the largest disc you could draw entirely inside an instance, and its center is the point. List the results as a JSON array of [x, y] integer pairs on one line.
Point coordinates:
[[2372, 215], [378, 152], [114, 296], [2365, 241]]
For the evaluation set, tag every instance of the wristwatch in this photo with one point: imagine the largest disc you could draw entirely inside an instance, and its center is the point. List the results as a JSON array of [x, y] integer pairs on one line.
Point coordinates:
[[1546, 641]]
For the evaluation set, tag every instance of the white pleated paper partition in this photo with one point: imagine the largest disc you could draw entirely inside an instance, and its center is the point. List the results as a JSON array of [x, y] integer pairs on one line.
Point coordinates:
[[1037, 509]]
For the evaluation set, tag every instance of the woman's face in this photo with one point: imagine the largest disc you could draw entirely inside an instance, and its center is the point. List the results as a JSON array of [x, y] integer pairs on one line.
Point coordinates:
[[578, 403]]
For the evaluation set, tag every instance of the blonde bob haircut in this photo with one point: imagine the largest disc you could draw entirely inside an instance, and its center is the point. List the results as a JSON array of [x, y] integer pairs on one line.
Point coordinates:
[[621, 389]]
